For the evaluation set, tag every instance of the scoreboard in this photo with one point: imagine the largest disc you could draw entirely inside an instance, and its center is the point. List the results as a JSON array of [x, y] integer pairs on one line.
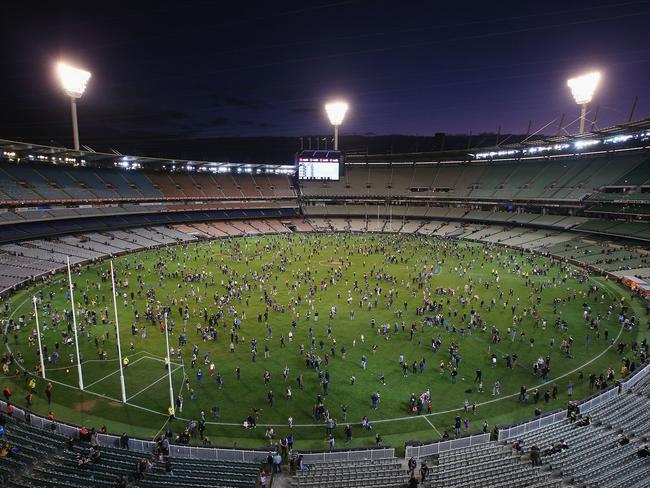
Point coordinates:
[[319, 165]]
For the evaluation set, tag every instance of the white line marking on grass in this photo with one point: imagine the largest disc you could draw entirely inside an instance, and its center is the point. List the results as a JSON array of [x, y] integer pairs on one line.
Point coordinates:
[[160, 359], [106, 397], [111, 374], [95, 361], [72, 387], [161, 429], [154, 383], [433, 426]]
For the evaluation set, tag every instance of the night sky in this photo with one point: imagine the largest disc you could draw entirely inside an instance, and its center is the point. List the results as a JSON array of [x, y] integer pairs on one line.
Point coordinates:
[[172, 70]]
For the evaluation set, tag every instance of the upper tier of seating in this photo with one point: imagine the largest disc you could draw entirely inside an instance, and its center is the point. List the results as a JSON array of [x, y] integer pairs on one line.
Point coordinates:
[[563, 179], [38, 183], [573, 178]]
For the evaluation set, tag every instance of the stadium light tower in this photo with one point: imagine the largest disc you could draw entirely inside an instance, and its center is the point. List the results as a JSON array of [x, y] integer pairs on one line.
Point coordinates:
[[583, 88], [336, 113], [74, 82]]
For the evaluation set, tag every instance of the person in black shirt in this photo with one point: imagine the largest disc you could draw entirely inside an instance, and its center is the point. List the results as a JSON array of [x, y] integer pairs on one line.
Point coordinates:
[[124, 441]]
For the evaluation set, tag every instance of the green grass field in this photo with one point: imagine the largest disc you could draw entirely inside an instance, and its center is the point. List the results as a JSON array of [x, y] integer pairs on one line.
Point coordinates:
[[288, 268]]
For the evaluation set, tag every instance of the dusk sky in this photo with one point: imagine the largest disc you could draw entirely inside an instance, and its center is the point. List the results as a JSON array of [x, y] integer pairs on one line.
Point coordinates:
[[165, 70]]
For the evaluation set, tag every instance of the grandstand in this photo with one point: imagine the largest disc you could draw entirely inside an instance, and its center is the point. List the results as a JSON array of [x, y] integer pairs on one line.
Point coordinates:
[[585, 208], [48, 458]]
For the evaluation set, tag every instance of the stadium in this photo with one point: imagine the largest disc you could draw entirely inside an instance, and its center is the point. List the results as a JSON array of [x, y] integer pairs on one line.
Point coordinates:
[[472, 316]]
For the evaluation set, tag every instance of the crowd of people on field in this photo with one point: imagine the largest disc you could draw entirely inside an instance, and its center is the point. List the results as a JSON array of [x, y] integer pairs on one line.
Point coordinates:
[[204, 294]]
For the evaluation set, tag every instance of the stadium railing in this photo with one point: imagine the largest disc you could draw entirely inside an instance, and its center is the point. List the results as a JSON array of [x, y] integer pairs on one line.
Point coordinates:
[[202, 453], [446, 445], [351, 455]]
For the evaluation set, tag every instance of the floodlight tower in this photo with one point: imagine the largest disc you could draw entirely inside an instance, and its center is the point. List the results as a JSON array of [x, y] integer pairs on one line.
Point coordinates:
[[336, 113], [74, 82], [583, 88]]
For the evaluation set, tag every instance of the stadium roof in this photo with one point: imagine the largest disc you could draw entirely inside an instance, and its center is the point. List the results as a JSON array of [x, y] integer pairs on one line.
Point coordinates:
[[624, 135], [639, 126], [23, 151]]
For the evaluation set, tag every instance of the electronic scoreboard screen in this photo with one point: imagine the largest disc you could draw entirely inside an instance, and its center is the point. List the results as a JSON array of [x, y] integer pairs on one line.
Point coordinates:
[[319, 165]]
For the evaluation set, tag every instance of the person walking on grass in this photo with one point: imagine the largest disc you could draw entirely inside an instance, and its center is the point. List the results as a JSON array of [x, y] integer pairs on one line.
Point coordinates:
[[348, 434]]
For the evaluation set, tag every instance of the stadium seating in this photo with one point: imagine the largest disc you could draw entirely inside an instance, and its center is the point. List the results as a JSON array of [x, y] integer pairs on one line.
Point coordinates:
[[487, 465], [46, 183], [44, 459], [562, 179], [370, 474], [595, 456], [602, 452]]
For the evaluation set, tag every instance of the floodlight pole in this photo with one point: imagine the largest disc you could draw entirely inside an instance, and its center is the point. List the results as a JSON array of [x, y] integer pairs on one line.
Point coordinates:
[[169, 367], [74, 327], [336, 114], [117, 333], [38, 336], [74, 82], [583, 116], [75, 124], [583, 88]]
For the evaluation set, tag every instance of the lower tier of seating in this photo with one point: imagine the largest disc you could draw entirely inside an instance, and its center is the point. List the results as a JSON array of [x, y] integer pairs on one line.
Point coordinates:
[[37, 458]]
